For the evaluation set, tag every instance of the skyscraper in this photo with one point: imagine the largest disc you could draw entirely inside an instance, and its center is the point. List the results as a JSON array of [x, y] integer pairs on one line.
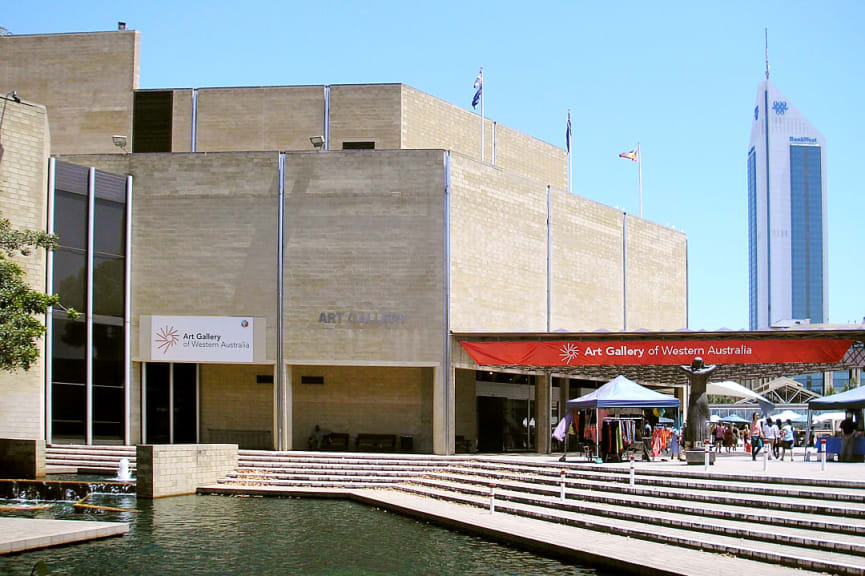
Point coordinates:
[[787, 238]]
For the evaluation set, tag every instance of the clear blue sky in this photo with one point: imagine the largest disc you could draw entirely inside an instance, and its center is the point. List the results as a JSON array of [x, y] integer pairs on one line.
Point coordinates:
[[680, 77]]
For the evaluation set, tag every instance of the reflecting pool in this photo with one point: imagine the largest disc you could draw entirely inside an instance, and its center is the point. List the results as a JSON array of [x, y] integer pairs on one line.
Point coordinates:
[[225, 535]]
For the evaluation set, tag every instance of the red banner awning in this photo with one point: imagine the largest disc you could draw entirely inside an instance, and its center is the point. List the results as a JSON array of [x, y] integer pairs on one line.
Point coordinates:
[[657, 352]]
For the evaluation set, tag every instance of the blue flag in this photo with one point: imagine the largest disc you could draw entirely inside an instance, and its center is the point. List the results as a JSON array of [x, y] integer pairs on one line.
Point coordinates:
[[479, 89], [568, 133]]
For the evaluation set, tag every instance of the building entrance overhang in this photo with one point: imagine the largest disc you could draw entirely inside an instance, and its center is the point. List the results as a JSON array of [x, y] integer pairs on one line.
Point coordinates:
[[657, 357]]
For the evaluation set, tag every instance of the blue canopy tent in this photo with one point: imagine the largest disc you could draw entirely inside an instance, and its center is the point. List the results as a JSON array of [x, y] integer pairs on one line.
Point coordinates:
[[850, 400], [854, 398], [620, 393]]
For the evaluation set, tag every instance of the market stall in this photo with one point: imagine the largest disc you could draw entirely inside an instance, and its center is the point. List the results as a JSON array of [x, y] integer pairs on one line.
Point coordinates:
[[852, 445], [618, 393]]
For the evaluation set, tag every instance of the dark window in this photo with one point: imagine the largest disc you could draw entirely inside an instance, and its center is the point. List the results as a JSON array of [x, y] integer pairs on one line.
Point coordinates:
[[108, 411], [69, 375], [109, 236], [312, 379], [108, 356], [358, 145], [70, 278], [265, 379], [806, 219], [184, 403], [69, 410], [70, 219], [108, 282], [157, 403], [151, 121], [68, 351]]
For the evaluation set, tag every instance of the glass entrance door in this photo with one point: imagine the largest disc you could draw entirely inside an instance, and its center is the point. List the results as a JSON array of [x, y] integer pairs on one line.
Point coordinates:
[[170, 403]]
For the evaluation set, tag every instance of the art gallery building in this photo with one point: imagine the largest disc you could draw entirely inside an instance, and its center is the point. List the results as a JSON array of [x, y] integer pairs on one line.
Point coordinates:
[[250, 263]]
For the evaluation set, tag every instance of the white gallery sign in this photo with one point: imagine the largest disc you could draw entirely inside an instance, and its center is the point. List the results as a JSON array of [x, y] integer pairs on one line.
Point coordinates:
[[202, 339]]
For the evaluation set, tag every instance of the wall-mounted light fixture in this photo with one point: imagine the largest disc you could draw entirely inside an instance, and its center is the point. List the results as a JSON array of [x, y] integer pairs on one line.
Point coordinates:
[[119, 141], [317, 142]]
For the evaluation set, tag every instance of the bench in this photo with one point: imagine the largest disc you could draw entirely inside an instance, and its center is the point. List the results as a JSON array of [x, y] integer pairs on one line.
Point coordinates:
[[334, 441], [376, 442], [463, 445]]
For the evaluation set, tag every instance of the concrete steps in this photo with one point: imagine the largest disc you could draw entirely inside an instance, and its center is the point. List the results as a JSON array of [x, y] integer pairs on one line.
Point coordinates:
[[89, 459], [814, 524], [787, 554]]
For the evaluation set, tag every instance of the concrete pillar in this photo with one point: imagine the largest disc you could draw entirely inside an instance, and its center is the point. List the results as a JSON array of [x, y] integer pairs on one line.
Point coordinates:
[[564, 393], [543, 396], [444, 405], [22, 458], [282, 409]]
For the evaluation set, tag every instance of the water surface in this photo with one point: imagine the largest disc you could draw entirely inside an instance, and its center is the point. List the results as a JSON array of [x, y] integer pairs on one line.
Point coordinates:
[[225, 535]]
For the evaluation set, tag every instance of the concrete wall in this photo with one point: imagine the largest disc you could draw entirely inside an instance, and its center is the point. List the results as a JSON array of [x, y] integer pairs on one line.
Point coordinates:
[[429, 122], [232, 400], [204, 233], [181, 121], [23, 181], [498, 249], [499, 259], [268, 118], [365, 400], [175, 469], [364, 257], [587, 251], [366, 113], [22, 458], [657, 276], [85, 81]]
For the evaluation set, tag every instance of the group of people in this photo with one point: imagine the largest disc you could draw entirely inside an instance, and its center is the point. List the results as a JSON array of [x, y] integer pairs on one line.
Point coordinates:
[[725, 436], [774, 437]]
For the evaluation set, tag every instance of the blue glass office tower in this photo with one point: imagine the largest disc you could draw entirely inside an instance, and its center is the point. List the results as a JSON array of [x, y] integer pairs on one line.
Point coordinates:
[[787, 238]]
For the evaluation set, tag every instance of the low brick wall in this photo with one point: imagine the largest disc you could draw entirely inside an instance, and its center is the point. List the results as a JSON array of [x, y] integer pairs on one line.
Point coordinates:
[[175, 469], [22, 458]]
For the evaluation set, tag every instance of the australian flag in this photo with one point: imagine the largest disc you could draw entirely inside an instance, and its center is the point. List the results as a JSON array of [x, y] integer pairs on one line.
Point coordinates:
[[568, 133], [479, 89]]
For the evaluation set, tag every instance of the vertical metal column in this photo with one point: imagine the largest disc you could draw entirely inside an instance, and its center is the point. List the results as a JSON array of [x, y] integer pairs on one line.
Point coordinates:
[[194, 135], [144, 402], [327, 118], [446, 281], [127, 319], [91, 208], [280, 321], [171, 402], [49, 315]]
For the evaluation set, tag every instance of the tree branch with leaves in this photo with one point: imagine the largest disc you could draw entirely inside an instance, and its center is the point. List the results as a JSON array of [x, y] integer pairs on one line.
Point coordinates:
[[21, 306]]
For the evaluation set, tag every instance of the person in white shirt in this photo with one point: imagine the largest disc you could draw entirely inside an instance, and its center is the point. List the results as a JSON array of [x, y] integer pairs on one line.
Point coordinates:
[[769, 435], [787, 440]]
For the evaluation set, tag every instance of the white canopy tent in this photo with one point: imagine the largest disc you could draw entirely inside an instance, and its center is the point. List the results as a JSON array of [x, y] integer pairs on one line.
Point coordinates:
[[730, 388]]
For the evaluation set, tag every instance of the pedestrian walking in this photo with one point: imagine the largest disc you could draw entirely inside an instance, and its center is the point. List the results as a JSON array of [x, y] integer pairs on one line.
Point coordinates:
[[787, 440], [769, 437], [719, 436], [730, 437], [756, 432], [776, 428]]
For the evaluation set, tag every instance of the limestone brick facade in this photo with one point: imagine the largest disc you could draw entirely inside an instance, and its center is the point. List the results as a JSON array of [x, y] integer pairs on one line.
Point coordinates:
[[24, 138], [266, 118], [85, 81], [366, 113], [386, 251]]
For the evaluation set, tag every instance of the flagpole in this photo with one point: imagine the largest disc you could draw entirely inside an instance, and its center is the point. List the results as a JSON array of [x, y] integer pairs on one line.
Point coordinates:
[[482, 114], [640, 170], [569, 151]]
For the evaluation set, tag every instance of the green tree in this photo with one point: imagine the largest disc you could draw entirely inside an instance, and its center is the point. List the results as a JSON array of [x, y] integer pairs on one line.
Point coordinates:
[[20, 328]]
